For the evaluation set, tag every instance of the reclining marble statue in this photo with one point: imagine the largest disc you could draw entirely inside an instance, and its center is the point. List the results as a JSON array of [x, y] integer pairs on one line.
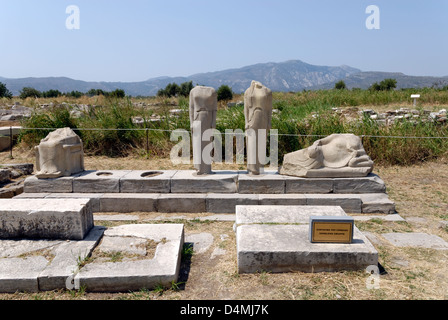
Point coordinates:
[[203, 108], [59, 154], [336, 156], [258, 118]]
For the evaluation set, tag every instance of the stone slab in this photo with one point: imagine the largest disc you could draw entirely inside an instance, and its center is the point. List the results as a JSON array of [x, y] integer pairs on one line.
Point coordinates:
[[186, 203], [115, 217], [269, 182], [282, 199], [307, 185], [370, 184], [422, 240], [41, 265], [126, 203], [45, 218], [60, 272], [226, 203], [221, 181], [286, 248], [94, 198], [149, 181], [283, 214], [348, 202], [61, 185], [377, 203], [21, 274], [136, 274], [107, 181], [386, 217]]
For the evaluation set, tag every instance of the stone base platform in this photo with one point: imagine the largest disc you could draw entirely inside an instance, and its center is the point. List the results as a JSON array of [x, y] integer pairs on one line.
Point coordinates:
[[151, 256], [124, 258], [276, 239], [220, 202], [186, 181]]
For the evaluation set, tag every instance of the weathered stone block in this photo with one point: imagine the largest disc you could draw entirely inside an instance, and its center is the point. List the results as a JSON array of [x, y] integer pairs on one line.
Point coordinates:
[[282, 199], [58, 185], [20, 274], [377, 203], [187, 181], [107, 181], [270, 182], [348, 202], [45, 218], [148, 181], [370, 184], [128, 202], [308, 185], [226, 203], [186, 203]]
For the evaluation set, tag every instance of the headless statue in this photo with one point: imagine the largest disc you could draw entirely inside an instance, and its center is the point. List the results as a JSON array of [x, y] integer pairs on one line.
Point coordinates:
[[258, 117], [203, 108]]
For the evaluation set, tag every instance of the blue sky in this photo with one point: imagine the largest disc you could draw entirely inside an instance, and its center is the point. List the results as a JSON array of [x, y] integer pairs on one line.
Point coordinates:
[[136, 40]]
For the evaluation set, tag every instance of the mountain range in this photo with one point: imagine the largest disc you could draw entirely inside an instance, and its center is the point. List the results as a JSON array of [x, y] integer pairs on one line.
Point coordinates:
[[293, 75]]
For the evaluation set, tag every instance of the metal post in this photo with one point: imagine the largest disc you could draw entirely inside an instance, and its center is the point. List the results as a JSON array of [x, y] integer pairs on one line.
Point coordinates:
[[147, 143], [10, 141]]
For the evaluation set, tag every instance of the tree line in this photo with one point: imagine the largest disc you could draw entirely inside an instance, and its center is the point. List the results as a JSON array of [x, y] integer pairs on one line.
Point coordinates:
[[28, 92], [224, 92]]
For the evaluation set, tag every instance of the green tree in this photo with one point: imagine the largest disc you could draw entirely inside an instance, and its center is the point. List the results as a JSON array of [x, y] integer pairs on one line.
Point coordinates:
[[4, 92], [340, 85], [388, 84], [171, 90], [224, 93], [74, 94], [51, 93], [95, 92], [30, 92], [385, 85], [118, 93], [185, 88]]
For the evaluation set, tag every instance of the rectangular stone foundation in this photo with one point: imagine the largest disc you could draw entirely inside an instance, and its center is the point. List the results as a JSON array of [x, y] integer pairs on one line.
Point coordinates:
[[69, 219], [276, 239], [286, 248]]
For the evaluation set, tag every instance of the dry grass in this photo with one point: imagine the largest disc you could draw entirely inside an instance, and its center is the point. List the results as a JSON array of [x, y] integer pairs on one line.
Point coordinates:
[[420, 193]]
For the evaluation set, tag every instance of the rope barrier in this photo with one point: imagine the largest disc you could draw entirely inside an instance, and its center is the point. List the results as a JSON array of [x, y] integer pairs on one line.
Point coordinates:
[[237, 133]]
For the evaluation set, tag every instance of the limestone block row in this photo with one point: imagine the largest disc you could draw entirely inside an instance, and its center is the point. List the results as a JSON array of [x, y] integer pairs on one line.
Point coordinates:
[[220, 202], [186, 181]]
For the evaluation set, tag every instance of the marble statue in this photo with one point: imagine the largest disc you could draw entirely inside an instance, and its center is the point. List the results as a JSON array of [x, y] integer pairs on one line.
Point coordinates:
[[59, 154], [336, 156], [258, 117], [203, 108]]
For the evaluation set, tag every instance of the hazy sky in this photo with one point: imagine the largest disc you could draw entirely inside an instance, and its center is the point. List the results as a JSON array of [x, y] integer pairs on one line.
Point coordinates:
[[135, 40]]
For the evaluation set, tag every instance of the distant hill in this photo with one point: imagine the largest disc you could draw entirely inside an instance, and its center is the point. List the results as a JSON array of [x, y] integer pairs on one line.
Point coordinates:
[[364, 80], [293, 75]]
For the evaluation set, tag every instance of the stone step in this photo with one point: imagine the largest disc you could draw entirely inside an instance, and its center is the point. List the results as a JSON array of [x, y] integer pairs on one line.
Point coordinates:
[[219, 203], [45, 218], [186, 181]]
